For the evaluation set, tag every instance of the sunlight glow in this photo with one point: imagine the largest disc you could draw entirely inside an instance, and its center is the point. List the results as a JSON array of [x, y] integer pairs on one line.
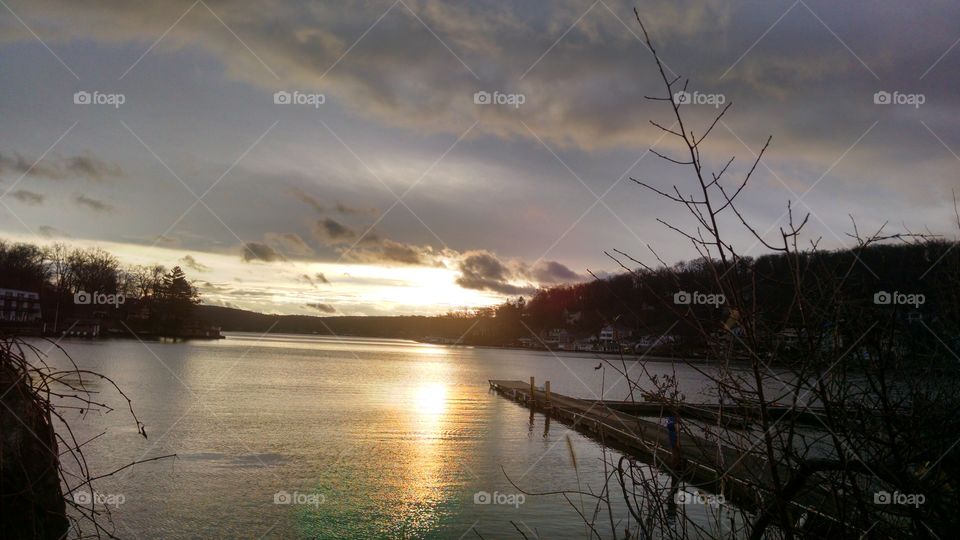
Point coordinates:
[[431, 399]]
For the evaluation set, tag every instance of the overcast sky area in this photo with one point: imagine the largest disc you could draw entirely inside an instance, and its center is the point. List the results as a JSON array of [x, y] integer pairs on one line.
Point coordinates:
[[399, 193]]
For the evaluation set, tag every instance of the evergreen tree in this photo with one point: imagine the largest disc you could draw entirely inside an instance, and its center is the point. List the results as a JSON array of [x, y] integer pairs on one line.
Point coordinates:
[[177, 298]]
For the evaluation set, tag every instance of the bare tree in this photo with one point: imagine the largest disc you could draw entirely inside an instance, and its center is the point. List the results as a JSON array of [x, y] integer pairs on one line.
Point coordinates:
[[43, 467], [836, 408]]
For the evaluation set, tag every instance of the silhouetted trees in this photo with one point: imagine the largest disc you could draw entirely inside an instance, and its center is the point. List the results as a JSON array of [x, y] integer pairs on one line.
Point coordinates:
[[155, 297], [174, 299]]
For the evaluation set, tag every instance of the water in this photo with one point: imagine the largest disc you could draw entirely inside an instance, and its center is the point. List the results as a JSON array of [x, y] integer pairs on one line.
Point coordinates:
[[370, 438]]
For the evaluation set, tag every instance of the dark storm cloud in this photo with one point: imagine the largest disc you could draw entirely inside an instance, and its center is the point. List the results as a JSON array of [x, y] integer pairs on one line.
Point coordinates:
[[552, 272], [258, 251], [332, 230], [483, 271]]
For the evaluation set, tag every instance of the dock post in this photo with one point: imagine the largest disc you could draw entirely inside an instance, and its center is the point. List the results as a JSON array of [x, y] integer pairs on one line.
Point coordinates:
[[533, 397], [546, 388]]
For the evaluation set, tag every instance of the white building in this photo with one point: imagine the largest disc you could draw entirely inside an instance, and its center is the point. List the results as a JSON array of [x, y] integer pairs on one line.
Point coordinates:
[[608, 333], [22, 306], [611, 333]]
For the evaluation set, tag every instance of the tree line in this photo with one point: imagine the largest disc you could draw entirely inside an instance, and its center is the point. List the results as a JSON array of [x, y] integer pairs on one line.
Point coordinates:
[[157, 297]]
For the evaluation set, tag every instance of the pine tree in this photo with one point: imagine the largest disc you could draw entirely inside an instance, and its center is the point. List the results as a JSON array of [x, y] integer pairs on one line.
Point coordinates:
[[177, 298]]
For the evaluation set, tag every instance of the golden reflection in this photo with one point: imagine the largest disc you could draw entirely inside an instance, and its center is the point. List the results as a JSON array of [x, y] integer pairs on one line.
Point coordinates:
[[426, 461], [430, 350], [431, 399]]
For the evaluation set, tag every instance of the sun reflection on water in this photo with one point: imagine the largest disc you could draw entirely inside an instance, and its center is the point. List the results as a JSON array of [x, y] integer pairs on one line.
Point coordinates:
[[430, 400]]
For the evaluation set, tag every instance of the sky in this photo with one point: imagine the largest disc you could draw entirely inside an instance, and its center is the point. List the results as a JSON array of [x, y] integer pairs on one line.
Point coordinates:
[[417, 156]]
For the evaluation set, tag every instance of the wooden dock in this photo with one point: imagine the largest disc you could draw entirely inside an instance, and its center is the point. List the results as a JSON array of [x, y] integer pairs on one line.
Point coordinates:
[[704, 464], [730, 415]]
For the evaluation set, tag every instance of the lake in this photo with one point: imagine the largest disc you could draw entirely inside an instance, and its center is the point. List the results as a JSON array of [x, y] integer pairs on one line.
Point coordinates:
[[285, 436]]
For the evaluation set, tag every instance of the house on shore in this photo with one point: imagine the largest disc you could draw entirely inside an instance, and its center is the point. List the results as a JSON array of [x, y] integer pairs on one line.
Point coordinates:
[[558, 338], [19, 306]]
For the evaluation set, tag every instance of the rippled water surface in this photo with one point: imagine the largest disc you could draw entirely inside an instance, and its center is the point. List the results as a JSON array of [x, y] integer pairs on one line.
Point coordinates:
[[374, 438]]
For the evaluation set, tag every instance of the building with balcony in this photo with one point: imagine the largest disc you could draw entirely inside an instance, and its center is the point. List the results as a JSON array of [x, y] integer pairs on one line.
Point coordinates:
[[19, 306]]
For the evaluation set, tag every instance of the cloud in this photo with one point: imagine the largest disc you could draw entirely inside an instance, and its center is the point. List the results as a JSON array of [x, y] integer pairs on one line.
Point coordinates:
[[206, 286], [51, 232], [166, 240], [93, 204], [333, 230], [192, 263], [587, 92], [346, 209], [91, 167], [290, 243], [60, 167], [404, 253], [483, 271], [385, 251], [28, 197], [258, 251], [324, 308], [310, 200], [313, 280], [553, 272]]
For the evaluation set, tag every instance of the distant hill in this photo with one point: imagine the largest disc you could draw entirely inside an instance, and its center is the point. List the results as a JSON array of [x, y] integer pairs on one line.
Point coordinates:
[[405, 327]]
